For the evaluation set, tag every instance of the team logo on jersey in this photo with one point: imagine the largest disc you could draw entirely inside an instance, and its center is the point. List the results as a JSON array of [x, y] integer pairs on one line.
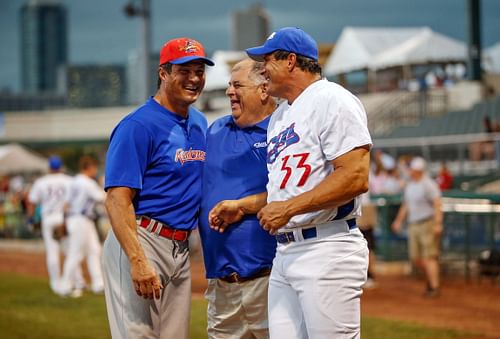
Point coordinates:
[[280, 142], [261, 144], [189, 47], [183, 156]]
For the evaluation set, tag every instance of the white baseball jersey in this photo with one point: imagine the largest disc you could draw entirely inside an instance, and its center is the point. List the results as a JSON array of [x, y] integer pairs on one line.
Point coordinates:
[[324, 122], [83, 194], [50, 191]]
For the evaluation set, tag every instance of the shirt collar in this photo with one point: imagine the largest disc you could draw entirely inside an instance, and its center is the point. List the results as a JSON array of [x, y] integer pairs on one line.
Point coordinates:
[[261, 124]]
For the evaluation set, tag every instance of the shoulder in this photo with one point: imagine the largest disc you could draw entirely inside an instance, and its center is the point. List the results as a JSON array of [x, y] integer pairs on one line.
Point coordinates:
[[220, 123], [197, 117]]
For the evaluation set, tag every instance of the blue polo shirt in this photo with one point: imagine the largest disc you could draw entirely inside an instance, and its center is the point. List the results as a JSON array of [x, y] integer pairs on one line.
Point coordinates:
[[160, 155], [235, 168]]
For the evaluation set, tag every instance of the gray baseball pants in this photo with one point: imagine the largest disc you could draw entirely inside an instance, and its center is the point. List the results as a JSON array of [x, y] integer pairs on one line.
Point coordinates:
[[131, 316]]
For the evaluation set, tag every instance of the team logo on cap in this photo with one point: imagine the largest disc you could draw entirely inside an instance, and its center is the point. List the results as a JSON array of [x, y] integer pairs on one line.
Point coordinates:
[[189, 47], [280, 142]]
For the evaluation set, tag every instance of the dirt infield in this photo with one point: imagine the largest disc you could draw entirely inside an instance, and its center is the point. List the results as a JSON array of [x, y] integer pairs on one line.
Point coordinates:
[[473, 307]]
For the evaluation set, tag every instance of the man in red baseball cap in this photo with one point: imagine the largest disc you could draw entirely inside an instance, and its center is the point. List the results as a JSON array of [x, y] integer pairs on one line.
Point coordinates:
[[153, 183]]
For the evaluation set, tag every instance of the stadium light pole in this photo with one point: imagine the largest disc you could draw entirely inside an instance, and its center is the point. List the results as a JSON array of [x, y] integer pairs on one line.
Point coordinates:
[[144, 13]]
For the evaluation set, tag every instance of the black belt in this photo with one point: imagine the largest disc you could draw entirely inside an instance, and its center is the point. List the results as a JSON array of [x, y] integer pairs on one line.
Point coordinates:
[[236, 278], [307, 233]]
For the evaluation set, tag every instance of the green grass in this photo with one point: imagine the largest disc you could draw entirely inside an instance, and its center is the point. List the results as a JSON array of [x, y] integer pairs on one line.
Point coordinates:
[[30, 310]]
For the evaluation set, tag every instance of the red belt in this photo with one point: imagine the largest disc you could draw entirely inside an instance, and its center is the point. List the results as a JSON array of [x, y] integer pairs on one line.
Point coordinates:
[[165, 231]]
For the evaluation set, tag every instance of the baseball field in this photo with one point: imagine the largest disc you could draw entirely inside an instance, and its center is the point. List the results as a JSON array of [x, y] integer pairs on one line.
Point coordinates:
[[395, 309]]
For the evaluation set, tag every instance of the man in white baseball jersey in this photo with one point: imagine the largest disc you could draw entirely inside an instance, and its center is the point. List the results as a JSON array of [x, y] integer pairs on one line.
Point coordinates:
[[83, 194], [50, 191], [318, 161]]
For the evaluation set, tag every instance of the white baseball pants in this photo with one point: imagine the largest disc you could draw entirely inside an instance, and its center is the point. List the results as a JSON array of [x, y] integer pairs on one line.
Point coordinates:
[[315, 287]]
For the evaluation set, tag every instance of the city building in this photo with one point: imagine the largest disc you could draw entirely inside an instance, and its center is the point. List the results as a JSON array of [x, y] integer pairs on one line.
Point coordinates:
[[44, 46], [96, 85], [250, 27], [134, 82]]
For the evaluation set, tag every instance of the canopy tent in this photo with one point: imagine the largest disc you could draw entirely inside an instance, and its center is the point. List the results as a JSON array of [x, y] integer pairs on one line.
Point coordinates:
[[16, 159], [379, 48], [491, 59], [218, 76]]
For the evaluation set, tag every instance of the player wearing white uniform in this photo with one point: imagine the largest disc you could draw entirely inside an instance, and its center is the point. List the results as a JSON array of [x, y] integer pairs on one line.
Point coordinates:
[[83, 194], [318, 160], [50, 192]]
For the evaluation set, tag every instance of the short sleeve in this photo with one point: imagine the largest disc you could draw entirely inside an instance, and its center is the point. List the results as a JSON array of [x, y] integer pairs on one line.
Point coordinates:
[[128, 155], [343, 125]]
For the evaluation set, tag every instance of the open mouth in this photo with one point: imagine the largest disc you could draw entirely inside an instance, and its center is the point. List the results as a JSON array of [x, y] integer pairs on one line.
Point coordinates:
[[192, 89], [235, 104]]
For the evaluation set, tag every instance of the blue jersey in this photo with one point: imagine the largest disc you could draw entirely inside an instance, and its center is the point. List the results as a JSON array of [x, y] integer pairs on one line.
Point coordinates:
[[235, 168], [160, 155]]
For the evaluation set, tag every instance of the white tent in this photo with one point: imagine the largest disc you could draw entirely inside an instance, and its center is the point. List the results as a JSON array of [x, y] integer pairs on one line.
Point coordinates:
[[218, 75], [379, 48], [15, 159], [491, 58]]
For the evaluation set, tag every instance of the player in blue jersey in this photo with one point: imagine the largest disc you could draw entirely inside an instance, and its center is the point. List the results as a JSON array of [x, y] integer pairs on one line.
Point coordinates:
[[238, 261], [153, 179]]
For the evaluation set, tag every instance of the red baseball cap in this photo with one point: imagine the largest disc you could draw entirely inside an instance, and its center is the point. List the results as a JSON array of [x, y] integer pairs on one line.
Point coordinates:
[[182, 50]]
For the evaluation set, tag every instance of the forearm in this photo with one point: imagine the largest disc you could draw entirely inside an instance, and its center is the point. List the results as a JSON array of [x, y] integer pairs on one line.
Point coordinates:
[[122, 217], [253, 203], [401, 213], [347, 181], [438, 212]]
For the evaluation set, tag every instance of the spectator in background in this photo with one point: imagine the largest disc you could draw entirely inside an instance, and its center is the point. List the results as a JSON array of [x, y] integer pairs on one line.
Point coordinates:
[[484, 149], [422, 207], [444, 178]]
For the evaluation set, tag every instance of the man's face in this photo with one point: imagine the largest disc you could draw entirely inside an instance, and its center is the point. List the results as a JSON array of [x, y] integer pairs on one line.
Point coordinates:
[[245, 96], [275, 72], [186, 81]]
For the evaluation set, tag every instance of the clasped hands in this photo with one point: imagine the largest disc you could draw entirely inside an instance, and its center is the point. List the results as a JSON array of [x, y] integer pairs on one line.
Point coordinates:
[[272, 217]]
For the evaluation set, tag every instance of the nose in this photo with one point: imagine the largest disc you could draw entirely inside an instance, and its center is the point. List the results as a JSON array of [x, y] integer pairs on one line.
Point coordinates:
[[230, 91]]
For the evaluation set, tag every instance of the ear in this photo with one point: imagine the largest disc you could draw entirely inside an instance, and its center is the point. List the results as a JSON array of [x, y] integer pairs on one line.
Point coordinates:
[[263, 91], [292, 61], [162, 73]]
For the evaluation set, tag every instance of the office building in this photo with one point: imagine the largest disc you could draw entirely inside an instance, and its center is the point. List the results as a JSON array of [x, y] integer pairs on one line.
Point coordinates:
[[250, 27], [44, 46]]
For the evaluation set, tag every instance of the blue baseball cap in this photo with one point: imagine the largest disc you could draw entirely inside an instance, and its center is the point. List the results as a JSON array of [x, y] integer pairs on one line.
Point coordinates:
[[55, 162], [290, 39]]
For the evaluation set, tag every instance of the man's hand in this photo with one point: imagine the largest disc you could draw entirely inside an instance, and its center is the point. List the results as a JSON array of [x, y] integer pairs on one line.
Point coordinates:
[[274, 216], [225, 213], [146, 282], [396, 226]]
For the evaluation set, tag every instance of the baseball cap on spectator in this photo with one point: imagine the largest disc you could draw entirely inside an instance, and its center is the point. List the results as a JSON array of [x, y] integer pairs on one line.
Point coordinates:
[[289, 39], [417, 164], [181, 50], [55, 162]]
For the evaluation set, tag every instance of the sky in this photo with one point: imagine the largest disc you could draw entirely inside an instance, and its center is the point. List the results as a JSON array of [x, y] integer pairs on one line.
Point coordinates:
[[100, 33]]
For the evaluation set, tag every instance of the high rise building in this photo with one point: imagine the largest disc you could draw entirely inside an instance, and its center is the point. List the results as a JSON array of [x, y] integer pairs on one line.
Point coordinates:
[[96, 85], [250, 27], [44, 46], [134, 84]]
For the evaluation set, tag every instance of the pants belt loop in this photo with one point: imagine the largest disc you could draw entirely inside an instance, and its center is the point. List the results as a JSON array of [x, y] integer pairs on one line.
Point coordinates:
[[297, 233], [151, 223]]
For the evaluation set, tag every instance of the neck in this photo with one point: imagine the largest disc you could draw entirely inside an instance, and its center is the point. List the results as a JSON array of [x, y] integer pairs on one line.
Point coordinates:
[[179, 108], [299, 83]]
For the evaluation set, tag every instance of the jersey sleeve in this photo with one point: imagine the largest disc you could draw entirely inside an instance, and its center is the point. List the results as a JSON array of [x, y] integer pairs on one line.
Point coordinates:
[[34, 194], [343, 125], [128, 155]]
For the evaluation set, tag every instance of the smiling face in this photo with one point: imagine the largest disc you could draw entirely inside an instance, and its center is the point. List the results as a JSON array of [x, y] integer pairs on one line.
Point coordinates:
[[246, 93], [275, 72], [183, 85]]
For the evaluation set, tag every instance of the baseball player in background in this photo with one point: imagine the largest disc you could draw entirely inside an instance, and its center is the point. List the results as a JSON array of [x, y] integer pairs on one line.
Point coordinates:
[[153, 179], [83, 195], [318, 162], [238, 261], [50, 191]]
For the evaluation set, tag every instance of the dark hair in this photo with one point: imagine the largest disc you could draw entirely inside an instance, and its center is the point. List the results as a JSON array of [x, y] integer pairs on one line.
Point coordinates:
[[306, 64], [168, 68], [87, 161]]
